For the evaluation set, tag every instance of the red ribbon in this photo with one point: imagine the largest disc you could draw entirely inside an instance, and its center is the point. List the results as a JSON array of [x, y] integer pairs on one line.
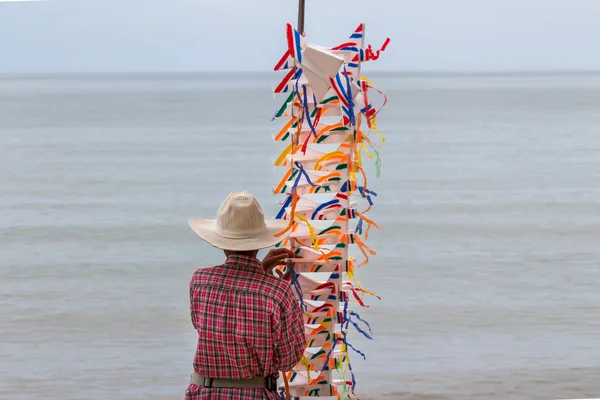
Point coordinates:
[[370, 55]]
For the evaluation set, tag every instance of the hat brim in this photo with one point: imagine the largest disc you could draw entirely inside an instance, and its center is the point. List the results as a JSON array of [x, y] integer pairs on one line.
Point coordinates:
[[206, 230]]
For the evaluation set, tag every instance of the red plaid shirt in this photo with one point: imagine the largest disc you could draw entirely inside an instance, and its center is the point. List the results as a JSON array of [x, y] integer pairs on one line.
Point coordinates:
[[249, 324]]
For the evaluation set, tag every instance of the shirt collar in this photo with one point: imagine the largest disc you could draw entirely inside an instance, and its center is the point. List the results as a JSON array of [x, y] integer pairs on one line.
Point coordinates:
[[243, 262]]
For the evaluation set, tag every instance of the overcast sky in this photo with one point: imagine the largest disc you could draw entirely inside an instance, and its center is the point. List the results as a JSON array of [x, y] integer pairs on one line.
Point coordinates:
[[244, 35]]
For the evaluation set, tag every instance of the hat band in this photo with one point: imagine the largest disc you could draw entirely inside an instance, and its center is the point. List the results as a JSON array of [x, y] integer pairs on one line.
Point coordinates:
[[241, 234]]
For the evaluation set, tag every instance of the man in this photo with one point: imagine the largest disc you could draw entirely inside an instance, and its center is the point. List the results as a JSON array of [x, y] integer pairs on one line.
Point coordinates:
[[248, 321]]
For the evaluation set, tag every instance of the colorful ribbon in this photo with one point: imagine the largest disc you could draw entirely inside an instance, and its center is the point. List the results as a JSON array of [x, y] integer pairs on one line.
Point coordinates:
[[333, 171]]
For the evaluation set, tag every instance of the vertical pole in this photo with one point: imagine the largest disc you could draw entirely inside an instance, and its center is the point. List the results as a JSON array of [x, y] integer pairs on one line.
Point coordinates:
[[301, 11], [299, 28]]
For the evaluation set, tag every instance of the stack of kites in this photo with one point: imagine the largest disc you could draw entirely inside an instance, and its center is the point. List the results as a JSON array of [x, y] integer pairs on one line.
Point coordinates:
[[326, 201]]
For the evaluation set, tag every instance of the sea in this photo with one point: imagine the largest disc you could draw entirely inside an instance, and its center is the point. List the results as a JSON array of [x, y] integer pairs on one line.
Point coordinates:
[[488, 257]]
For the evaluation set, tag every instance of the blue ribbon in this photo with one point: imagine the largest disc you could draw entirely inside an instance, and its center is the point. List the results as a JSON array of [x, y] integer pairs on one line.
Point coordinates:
[[352, 374], [307, 111], [342, 329], [296, 284], [365, 194], [322, 206], [349, 98], [365, 334], [359, 226], [303, 172], [345, 340], [355, 314], [352, 347], [286, 204]]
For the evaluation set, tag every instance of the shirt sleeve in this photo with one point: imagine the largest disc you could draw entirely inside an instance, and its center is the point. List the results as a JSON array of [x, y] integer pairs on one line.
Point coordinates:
[[290, 340], [193, 305]]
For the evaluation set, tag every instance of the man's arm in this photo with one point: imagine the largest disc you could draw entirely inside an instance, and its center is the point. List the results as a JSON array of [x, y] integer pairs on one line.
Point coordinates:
[[290, 342]]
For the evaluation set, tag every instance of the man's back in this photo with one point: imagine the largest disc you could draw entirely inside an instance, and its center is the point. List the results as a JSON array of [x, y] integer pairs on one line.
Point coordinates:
[[248, 324]]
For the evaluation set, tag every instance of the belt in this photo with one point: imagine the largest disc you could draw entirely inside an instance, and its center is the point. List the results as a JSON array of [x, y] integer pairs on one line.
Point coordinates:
[[268, 383]]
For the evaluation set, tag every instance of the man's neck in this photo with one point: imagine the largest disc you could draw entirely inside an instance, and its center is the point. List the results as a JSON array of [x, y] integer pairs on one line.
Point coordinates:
[[249, 253]]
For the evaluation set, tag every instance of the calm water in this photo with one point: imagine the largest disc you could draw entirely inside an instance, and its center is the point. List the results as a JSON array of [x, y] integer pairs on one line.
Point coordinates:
[[488, 264]]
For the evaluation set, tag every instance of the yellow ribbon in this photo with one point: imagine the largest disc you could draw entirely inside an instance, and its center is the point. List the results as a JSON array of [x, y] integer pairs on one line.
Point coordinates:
[[305, 362], [334, 155], [281, 160], [311, 230]]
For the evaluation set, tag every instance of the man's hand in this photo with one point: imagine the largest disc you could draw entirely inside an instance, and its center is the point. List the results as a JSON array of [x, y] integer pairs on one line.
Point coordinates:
[[277, 257]]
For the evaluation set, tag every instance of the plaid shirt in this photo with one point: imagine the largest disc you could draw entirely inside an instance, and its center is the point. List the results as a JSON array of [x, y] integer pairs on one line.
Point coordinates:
[[249, 324]]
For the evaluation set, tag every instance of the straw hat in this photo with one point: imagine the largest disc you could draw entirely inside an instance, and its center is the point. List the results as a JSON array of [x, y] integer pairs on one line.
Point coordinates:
[[240, 225]]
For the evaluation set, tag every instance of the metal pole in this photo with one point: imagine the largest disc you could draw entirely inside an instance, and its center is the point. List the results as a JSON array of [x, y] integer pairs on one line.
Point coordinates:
[[301, 10]]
